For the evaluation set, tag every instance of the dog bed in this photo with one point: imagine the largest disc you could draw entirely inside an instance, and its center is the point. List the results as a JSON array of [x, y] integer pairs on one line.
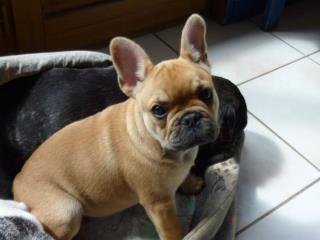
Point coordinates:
[[209, 215]]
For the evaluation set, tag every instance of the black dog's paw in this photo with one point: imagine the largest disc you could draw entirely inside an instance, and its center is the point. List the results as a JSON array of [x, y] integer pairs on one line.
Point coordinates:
[[192, 185]]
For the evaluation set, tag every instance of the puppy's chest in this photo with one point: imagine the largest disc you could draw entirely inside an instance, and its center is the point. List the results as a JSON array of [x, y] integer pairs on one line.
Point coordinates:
[[184, 159], [182, 165]]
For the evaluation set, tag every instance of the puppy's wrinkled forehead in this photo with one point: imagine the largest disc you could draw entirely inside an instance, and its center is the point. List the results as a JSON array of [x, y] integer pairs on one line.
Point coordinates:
[[177, 79]]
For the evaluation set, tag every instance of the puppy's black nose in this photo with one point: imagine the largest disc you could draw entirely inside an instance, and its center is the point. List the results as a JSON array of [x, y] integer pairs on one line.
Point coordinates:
[[191, 119]]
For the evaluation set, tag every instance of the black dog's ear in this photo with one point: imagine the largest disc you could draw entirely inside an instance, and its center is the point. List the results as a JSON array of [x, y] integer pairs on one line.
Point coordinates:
[[227, 123]]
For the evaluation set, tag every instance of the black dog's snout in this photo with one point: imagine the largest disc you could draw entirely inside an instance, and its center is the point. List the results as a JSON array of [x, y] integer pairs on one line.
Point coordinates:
[[191, 119]]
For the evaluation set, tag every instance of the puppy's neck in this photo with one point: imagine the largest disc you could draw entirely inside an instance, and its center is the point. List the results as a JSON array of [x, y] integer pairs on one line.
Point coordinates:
[[138, 134], [144, 141]]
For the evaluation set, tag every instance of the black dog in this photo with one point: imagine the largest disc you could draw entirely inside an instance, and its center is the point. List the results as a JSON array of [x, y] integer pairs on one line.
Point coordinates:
[[232, 119], [33, 108]]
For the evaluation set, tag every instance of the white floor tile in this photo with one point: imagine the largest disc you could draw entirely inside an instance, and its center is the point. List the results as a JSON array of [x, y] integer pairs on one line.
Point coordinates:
[[316, 57], [156, 50], [288, 101], [300, 26], [239, 51], [298, 219], [270, 172]]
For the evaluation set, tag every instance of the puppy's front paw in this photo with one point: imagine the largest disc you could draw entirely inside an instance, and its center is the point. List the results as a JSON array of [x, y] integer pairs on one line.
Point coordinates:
[[192, 184]]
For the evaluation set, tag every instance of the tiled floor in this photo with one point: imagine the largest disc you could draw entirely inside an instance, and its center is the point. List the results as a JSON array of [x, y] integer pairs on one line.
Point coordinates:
[[279, 74]]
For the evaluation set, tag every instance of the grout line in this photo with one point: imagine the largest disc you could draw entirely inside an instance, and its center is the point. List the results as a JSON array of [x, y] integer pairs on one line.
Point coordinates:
[[165, 43], [312, 59], [265, 73], [283, 140], [277, 207], [282, 40], [287, 43], [277, 68], [274, 35]]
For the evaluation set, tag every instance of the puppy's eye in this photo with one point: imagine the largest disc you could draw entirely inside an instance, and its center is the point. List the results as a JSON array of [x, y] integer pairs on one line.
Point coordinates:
[[206, 94], [159, 111]]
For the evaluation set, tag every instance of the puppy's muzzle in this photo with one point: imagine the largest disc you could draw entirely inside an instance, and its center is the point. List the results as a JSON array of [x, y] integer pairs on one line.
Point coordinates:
[[192, 129], [191, 120]]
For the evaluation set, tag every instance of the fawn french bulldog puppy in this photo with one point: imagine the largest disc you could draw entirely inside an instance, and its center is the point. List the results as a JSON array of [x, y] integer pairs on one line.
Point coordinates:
[[138, 151]]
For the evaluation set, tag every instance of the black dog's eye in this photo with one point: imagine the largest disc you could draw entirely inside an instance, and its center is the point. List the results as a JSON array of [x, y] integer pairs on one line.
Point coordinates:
[[159, 111], [206, 94]]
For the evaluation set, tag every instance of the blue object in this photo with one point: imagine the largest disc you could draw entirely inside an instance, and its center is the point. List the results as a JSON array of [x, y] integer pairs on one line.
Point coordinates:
[[242, 9], [272, 14]]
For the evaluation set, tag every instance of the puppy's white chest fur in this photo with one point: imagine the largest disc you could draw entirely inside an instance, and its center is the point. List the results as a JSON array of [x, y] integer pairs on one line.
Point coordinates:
[[188, 156], [185, 160]]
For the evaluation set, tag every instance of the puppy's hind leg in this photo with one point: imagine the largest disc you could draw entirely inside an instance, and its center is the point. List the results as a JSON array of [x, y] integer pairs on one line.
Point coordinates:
[[61, 217]]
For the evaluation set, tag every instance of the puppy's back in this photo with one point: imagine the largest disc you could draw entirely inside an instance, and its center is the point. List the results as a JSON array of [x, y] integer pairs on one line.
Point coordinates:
[[78, 163], [65, 158]]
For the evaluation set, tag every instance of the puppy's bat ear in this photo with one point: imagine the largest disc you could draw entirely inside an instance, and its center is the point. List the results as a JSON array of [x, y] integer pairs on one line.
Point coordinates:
[[193, 41], [131, 63]]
